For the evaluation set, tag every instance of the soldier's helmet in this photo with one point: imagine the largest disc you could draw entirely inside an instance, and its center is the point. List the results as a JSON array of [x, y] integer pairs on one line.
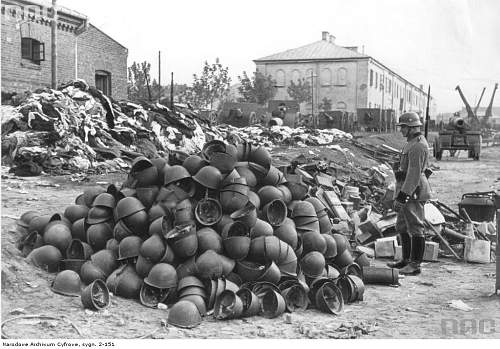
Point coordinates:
[[410, 119]]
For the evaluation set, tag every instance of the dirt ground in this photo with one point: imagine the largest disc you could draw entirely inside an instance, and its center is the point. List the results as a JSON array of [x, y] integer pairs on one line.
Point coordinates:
[[416, 309]]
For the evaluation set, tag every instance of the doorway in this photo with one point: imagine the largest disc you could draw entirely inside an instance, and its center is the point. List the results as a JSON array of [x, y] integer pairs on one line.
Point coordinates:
[[103, 81]]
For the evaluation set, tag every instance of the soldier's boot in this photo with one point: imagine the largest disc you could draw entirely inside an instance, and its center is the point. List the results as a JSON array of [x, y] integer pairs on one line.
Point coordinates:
[[406, 252], [417, 254]]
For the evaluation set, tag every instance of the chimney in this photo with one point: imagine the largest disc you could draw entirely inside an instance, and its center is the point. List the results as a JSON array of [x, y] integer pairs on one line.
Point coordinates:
[[332, 39], [324, 36]]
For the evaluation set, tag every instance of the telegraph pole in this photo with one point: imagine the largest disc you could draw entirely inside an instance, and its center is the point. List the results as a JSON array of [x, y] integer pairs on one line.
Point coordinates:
[[53, 47], [159, 76], [312, 96]]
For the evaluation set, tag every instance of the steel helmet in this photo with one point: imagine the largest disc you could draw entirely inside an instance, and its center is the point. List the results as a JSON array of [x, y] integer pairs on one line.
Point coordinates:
[[162, 275], [99, 214], [58, 234], [128, 206], [90, 272], [314, 241], [269, 193], [208, 211], [151, 296], [184, 314], [153, 248], [198, 301], [78, 250], [105, 260], [194, 163], [313, 264], [78, 230], [223, 161], [147, 195], [90, 194], [67, 283], [76, 212], [247, 173], [228, 306], [331, 246], [143, 266], [287, 232], [137, 223], [128, 283], [209, 264], [410, 119], [209, 177], [46, 257], [129, 247], [104, 200], [174, 174], [39, 223], [95, 296], [98, 235], [208, 239], [26, 218]]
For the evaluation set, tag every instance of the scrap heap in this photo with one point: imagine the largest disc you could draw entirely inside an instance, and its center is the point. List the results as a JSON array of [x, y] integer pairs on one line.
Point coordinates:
[[223, 229], [77, 128]]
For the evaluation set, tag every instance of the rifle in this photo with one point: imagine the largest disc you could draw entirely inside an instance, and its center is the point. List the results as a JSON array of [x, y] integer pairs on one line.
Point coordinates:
[[427, 116]]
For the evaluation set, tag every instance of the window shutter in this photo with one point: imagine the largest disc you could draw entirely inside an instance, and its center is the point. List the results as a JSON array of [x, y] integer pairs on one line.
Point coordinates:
[[26, 48]]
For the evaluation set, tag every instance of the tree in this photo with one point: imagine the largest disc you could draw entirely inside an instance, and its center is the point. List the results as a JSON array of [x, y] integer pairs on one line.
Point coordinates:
[[138, 79], [210, 86], [326, 104], [259, 89], [300, 91]]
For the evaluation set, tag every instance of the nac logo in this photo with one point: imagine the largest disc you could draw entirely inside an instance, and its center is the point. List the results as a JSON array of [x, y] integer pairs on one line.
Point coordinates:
[[468, 326]]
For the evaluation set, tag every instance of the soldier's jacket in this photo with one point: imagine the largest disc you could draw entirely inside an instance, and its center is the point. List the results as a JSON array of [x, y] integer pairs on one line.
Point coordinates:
[[413, 162]]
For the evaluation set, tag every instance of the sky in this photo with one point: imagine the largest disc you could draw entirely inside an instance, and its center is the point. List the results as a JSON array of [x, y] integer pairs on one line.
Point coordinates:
[[438, 42]]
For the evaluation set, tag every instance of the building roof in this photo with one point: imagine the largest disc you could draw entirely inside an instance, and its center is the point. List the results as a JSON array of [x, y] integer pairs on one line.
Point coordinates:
[[319, 50], [326, 50]]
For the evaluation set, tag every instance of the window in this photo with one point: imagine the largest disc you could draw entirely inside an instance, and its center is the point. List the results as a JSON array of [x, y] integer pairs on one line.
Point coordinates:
[[280, 78], [33, 50], [295, 76], [376, 80], [103, 81], [370, 105], [326, 77], [390, 86], [371, 77], [342, 76]]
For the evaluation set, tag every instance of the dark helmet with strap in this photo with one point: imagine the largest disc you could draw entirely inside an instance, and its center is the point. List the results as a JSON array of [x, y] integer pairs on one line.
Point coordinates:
[[410, 119]]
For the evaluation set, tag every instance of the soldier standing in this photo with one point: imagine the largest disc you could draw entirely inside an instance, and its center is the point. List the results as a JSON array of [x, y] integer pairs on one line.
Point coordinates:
[[412, 191]]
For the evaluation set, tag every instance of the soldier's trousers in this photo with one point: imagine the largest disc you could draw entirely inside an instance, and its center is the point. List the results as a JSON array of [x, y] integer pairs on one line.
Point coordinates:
[[411, 218]]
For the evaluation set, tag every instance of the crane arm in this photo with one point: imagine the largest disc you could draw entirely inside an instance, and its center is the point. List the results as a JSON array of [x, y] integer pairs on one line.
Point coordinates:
[[487, 114]]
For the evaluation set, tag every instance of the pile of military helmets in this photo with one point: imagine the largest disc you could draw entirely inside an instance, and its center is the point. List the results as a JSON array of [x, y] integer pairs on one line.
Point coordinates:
[[222, 230]]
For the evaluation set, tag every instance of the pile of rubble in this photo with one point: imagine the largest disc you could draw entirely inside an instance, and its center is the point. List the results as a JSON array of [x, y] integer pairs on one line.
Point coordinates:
[[223, 231], [78, 128], [284, 135]]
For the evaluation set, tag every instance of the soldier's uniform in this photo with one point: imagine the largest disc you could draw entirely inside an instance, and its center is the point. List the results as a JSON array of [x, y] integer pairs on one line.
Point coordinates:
[[413, 182], [412, 191]]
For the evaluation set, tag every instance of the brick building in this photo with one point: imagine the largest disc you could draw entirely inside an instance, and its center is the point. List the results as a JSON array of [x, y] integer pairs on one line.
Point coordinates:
[[352, 80], [83, 51]]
